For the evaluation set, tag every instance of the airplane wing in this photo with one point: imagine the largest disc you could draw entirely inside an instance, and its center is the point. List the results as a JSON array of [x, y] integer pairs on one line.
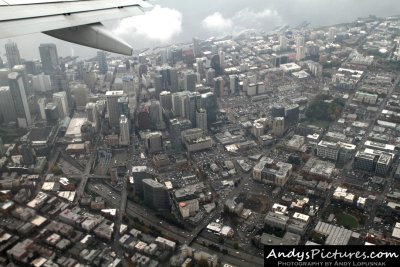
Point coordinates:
[[76, 21]]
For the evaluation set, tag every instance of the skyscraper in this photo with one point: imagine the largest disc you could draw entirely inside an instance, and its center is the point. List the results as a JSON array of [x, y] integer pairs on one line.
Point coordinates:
[[12, 52], [210, 75], [112, 106], [59, 83], [155, 195], [221, 54], [81, 96], [283, 41], [190, 80], [219, 86], [91, 113], [201, 120], [41, 83], [42, 102], [331, 34], [278, 126], [156, 114], [123, 106], [49, 58], [52, 112], [123, 131], [22, 71], [20, 100], [4, 76], [62, 98], [7, 110], [234, 84], [176, 128], [158, 84], [166, 100], [208, 101], [196, 47], [102, 59]]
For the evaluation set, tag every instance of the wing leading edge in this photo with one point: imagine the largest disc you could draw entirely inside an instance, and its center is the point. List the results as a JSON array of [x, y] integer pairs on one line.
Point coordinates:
[[72, 21]]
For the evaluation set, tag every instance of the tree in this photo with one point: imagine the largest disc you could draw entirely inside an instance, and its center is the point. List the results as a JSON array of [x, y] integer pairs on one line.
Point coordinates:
[[56, 169]]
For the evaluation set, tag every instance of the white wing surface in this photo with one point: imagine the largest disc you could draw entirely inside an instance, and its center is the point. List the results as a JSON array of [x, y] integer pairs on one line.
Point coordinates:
[[71, 20]]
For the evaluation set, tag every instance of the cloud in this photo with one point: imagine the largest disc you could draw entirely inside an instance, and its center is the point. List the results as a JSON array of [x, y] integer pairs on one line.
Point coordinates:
[[262, 20], [216, 22], [159, 24]]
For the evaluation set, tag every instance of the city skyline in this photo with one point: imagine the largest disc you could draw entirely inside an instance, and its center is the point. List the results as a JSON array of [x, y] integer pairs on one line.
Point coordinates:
[[172, 21]]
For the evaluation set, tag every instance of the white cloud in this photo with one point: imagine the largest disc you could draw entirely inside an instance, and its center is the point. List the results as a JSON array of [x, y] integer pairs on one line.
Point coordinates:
[[159, 24], [250, 18], [216, 22]]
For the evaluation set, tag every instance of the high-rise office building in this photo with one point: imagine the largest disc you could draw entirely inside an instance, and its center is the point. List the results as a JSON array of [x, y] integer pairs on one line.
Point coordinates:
[[156, 114], [278, 126], [169, 80], [123, 106], [2, 149], [7, 110], [59, 82], [196, 47], [201, 120], [154, 142], [41, 83], [22, 71], [155, 195], [42, 102], [332, 34], [283, 42], [219, 86], [52, 112], [91, 112], [28, 154], [210, 75], [102, 59], [20, 100], [299, 40], [12, 53], [292, 114], [166, 100], [49, 58], [208, 101], [158, 83], [190, 80], [173, 76], [62, 98], [193, 98], [176, 128], [300, 52], [124, 136], [200, 66], [143, 117], [234, 84], [112, 106], [278, 111], [4, 76], [221, 54], [31, 68], [81, 96]]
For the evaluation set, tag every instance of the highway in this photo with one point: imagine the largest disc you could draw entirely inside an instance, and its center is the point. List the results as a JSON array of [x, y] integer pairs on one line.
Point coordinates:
[[137, 211], [85, 175], [235, 257]]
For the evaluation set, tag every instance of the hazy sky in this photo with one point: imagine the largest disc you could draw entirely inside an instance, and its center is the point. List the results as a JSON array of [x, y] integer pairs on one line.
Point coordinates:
[[172, 21]]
